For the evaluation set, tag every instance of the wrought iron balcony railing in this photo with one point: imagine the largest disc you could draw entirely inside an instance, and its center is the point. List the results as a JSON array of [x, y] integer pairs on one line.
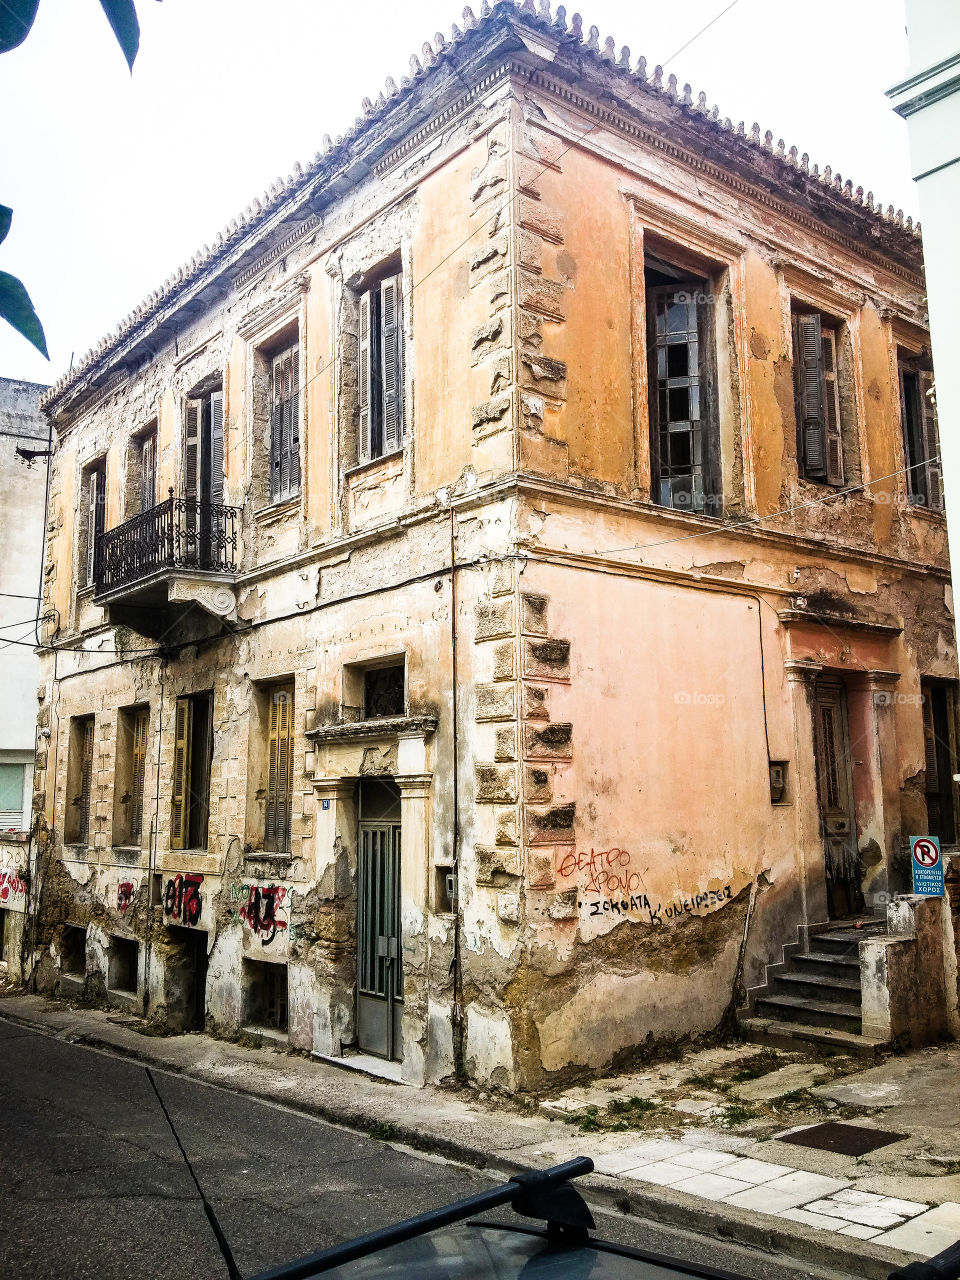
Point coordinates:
[[177, 534]]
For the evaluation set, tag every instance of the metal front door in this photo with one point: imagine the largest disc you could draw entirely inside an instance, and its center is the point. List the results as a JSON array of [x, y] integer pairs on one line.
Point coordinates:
[[835, 789], [379, 957]]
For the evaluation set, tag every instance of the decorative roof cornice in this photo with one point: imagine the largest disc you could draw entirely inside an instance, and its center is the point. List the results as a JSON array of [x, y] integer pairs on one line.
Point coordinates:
[[786, 169]]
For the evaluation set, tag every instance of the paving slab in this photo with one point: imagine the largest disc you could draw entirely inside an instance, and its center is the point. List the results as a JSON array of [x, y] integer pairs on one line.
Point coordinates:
[[929, 1233]]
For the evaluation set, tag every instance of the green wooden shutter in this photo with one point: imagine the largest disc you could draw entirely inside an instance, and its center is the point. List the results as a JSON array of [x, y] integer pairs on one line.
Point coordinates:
[[831, 408], [931, 442], [808, 357], [180, 810], [363, 378], [276, 835], [191, 451], [94, 520], [294, 432], [138, 763], [216, 447], [86, 780], [391, 364], [148, 472]]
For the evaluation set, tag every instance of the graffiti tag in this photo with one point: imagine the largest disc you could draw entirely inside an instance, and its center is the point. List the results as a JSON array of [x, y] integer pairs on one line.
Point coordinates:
[[263, 908], [124, 895], [182, 899], [12, 887]]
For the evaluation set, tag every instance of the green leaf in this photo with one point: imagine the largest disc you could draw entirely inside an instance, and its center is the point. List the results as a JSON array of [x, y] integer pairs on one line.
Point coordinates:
[[6, 217], [122, 16], [17, 309], [16, 19]]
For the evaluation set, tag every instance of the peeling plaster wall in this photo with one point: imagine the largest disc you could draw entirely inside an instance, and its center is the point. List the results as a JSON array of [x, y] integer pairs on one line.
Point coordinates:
[[622, 673]]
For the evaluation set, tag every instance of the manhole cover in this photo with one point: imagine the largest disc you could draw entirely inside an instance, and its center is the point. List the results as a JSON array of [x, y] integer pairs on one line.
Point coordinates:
[[844, 1139]]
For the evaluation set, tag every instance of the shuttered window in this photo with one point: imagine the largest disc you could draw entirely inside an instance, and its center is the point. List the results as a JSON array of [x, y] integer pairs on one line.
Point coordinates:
[[92, 520], [11, 797], [276, 835], [190, 801], [203, 448], [81, 801], [819, 433], [138, 763], [380, 369], [148, 472], [684, 436], [921, 438], [285, 425]]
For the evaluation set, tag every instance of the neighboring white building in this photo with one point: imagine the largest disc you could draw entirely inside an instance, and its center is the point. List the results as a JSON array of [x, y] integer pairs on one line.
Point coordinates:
[[22, 501], [928, 98]]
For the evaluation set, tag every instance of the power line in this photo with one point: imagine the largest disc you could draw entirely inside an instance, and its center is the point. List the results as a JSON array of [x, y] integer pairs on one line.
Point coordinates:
[[700, 32]]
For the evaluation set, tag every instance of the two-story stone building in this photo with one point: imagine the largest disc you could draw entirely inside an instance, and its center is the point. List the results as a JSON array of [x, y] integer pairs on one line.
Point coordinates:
[[503, 596]]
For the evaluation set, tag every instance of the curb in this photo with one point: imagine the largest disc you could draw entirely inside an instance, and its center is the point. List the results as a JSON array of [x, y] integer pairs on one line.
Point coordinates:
[[665, 1205]]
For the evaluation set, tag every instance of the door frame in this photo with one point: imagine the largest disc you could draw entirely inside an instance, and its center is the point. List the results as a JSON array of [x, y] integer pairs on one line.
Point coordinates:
[[845, 823], [389, 946]]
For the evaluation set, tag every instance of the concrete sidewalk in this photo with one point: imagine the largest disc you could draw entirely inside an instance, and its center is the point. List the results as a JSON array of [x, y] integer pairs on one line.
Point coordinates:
[[695, 1143]]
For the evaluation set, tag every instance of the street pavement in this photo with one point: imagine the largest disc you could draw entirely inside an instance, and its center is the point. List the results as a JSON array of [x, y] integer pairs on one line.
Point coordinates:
[[93, 1183]]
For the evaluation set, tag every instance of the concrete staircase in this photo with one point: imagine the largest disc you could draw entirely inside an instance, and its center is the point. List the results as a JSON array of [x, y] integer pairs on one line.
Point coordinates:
[[816, 999]]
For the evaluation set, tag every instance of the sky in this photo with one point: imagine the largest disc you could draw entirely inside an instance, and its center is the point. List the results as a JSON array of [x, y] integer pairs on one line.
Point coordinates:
[[116, 179]]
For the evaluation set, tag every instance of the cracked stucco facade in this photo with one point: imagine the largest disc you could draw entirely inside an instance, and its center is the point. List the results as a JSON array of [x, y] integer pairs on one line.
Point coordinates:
[[595, 684]]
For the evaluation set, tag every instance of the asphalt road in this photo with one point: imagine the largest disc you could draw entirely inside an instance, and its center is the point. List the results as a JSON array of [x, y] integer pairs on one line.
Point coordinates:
[[93, 1184]]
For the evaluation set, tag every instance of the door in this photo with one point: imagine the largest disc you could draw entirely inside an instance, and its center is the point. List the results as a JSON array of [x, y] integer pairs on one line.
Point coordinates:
[[186, 979], [379, 948], [202, 479], [835, 789], [939, 761]]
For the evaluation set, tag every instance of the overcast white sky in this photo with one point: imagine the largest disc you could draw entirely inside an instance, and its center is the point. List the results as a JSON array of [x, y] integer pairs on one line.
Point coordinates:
[[115, 180]]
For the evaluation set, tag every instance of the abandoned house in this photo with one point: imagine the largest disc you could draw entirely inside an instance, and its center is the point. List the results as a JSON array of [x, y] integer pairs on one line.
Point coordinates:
[[502, 588]]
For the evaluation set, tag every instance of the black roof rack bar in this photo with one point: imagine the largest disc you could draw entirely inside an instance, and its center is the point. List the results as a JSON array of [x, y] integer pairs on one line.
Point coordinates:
[[525, 1191]]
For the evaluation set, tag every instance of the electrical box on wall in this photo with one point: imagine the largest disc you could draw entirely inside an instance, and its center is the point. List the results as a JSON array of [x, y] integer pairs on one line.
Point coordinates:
[[778, 781]]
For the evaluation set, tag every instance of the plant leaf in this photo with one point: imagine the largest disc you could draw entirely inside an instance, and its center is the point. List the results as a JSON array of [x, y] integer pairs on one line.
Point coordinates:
[[6, 217], [17, 309], [122, 16], [16, 19]]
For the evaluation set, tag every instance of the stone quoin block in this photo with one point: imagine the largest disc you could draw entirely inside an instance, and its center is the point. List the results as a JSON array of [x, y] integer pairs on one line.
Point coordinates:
[[494, 619], [508, 825], [538, 785], [496, 702], [505, 747], [549, 741], [533, 614], [504, 661], [495, 784], [535, 702], [547, 659], [491, 863]]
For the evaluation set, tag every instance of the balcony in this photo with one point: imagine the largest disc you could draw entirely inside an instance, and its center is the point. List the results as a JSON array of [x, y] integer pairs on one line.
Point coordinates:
[[180, 556]]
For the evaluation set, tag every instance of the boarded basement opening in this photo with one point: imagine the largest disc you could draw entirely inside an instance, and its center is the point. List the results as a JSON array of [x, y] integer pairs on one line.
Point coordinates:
[[844, 1139]]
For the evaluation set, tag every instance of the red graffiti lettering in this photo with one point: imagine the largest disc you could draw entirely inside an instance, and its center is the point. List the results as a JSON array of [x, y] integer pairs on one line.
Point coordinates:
[[124, 895], [11, 886], [261, 910], [601, 868], [182, 899]]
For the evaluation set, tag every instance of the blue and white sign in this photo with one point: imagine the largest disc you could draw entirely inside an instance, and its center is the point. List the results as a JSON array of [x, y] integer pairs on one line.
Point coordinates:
[[927, 863]]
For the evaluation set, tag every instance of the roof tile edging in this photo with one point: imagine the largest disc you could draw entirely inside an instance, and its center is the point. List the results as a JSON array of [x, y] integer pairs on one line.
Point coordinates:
[[283, 187]]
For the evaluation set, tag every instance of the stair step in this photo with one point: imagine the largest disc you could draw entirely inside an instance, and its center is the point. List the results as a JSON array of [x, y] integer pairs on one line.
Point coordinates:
[[824, 1013], [829, 959], [786, 1035], [815, 986]]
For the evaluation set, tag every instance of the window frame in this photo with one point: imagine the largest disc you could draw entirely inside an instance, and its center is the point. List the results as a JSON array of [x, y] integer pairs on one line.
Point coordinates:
[[281, 738], [817, 344], [708, 470], [81, 745], [190, 784], [924, 476], [283, 463], [381, 358], [93, 519]]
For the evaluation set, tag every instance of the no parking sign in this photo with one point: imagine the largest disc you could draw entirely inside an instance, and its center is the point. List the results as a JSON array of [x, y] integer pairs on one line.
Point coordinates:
[[927, 866]]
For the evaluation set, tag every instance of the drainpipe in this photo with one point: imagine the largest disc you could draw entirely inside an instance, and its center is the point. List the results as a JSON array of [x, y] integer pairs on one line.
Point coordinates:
[[152, 851], [458, 1016]]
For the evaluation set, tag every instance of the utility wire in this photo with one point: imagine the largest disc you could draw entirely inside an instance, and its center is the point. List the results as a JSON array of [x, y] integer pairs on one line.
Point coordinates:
[[233, 1271]]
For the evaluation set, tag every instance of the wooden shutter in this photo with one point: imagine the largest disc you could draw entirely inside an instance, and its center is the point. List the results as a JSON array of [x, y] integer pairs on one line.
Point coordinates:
[[931, 441], [191, 451], [808, 357], [276, 835], [363, 377], [391, 331], [294, 432], [86, 779], [216, 447], [831, 407], [931, 782], [180, 812], [148, 472], [276, 429], [91, 525], [138, 763]]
